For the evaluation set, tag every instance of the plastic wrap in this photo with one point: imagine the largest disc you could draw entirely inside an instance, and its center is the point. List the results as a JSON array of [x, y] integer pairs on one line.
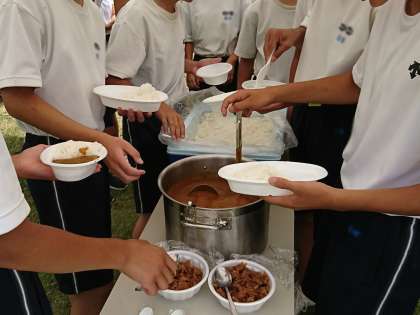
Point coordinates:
[[193, 110], [212, 257]]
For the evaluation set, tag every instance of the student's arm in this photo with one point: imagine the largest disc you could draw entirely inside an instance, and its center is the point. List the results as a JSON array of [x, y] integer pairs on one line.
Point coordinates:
[[34, 247], [315, 195], [28, 164], [245, 70], [233, 61], [278, 41], [337, 90], [192, 81], [293, 69], [118, 4], [23, 104]]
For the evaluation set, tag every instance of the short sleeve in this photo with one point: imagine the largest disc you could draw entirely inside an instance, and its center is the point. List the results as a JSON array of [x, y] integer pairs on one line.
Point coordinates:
[[247, 46], [303, 13], [126, 50], [21, 41], [13, 207], [186, 18], [359, 68]]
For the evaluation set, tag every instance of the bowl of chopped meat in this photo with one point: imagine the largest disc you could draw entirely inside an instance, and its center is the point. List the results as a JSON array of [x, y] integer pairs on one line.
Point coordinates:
[[252, 285], [191, 275]]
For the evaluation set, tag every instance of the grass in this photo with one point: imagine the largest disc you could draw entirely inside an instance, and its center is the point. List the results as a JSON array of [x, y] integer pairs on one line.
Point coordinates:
[[123, 215]]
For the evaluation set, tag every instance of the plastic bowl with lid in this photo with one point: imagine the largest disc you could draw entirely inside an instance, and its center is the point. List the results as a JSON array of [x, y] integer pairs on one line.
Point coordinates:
[[197, 261], [243, 308], [215, 74], [69, 149]]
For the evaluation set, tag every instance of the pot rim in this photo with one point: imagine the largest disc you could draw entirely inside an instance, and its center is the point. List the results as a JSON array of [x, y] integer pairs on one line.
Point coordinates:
[[200, 157]]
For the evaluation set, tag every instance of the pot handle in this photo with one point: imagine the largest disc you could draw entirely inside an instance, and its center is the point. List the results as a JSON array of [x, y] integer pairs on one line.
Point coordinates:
[[219, 225]]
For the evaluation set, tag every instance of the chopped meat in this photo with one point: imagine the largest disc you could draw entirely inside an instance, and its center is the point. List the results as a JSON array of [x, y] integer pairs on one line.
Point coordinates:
[[83, 151], [247, 285], [187, 276]]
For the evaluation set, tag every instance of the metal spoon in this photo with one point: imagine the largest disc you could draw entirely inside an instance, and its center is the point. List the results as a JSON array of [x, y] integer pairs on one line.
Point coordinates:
[[238, 137], [224, 280]]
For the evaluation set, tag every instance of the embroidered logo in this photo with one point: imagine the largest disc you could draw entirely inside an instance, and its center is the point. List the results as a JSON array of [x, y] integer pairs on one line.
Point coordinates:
[[228, 15], [344, 32], [98, 49], [414, 70]]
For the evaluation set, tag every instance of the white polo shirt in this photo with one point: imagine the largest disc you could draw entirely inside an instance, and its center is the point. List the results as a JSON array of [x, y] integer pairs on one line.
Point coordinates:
[[146, 45], [384, 148], [337, 32], [213, 26], [258, 19], [13, 207], [58, 47]]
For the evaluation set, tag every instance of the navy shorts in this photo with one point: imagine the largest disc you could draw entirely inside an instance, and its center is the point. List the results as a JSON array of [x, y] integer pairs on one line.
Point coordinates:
[[22, 294], [145, 138], [371, 266], [82, 208]]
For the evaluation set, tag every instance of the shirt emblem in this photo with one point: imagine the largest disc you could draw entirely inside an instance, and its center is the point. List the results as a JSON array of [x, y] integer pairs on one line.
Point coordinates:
[[414, 70], [228, 15], [344, 32]]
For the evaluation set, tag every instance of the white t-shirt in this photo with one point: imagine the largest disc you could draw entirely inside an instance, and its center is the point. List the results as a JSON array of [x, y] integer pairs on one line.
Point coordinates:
[[213, 26], [384, 148], [258, 19], [58, 47], [13, 207], [337, 32], [303, 9], [146, 45]]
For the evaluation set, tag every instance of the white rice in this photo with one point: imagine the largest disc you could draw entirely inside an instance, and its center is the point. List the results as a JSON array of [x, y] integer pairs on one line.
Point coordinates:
[[70, 149]]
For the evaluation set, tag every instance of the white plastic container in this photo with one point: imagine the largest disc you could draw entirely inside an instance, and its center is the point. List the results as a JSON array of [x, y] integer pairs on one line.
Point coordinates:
[[215, 74], [69, 149], [243, 308], [252, 84], [197, 261], [252, 178], [124, 97]]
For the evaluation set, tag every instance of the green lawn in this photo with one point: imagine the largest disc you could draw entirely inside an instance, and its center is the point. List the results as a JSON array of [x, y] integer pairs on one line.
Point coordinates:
[[123, 216]]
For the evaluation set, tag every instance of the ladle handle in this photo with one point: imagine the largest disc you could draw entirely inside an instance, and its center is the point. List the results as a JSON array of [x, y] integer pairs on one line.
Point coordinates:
[[231, 304]]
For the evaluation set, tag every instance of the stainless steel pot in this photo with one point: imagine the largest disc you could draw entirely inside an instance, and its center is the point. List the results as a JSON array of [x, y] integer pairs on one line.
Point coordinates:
[[242, 230]]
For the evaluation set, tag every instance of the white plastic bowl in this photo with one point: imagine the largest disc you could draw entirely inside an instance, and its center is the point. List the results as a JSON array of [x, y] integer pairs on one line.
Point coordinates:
[[252, 84], [243, 308], [215, 74], [73, 172], [197, 261], [255, 186], [123, 96]]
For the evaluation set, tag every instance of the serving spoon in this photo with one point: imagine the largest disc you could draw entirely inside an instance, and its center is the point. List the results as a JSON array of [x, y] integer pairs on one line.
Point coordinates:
[[224, 280]]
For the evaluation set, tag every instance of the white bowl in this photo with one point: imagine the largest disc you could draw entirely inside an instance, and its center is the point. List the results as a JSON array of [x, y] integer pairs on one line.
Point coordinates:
[[72, 172], [215, 74], [124, 97], [251, 178], [197, 261], [252, 84], [243, 308]]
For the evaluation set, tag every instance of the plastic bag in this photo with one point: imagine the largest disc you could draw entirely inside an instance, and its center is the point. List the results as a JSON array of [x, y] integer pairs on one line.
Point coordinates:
[[194, 111], [212, 257]]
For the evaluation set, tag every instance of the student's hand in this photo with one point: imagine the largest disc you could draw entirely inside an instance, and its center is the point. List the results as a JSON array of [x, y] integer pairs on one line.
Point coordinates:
[[246, 101], [117, 161], [172, 122], [134, 116], [149, 265], [193, 81], [305, 195], [280, 40], [28, 164], [233, 59]]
